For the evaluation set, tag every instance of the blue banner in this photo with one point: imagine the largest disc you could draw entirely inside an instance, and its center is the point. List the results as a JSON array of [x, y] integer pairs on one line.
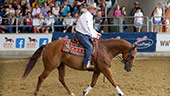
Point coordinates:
[[145, 40]]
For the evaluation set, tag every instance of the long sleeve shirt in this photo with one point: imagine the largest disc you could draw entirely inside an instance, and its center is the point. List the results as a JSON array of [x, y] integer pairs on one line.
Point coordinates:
[[85, 25]]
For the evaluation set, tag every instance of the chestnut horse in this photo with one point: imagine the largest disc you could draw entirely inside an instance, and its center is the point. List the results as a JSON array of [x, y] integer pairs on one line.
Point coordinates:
[[54, 58]]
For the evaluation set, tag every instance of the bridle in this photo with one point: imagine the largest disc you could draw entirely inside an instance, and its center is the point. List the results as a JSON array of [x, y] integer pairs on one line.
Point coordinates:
[[130, 57]]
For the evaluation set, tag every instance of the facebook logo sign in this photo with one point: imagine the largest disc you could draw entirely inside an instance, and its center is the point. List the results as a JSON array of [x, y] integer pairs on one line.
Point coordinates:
[[43, 41], [20, 43]]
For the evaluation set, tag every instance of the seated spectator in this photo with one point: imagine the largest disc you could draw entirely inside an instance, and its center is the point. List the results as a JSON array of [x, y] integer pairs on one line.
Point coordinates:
[[68, 22], [2, 12], [75, 18], [29, 22], [18, 10], [10, 21], [101, 4], [42, 2], [28, 8], [6, 3], [59, 2], [35, 2], [56, 10], [89, 1], [45, 9], [36, 11], [21, 22], [64, 9], [78, 5], [138, 21], [39, 25], [98, 21], [49, 21], [10, 10], [2, 28]]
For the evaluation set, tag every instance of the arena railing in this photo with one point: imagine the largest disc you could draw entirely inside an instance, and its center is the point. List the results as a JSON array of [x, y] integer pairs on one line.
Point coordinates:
[[119, 23], [165, 23]]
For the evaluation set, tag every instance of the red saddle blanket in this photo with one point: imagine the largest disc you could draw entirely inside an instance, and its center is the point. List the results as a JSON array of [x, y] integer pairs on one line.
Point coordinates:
[[77, 49]]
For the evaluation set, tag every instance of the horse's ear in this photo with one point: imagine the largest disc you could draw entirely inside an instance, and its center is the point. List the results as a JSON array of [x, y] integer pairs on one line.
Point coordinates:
[[135, 47]]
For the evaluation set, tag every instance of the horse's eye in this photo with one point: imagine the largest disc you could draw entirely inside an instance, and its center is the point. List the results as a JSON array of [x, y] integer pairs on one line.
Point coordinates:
[[132, 57]]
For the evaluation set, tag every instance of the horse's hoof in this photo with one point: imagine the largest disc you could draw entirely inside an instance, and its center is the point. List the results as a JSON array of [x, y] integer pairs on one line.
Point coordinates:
[[85, 93], [72, 94]]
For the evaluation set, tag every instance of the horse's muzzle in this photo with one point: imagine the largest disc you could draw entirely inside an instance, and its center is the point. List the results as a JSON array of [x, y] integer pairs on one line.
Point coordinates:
[[127, 68]]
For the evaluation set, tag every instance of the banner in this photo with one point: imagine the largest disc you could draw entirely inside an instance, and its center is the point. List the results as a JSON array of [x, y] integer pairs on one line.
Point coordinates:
[[145, 40], [163, 42], [26, 42]]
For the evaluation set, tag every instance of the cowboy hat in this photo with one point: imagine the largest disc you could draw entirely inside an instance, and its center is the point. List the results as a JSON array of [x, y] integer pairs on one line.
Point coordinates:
[[91, 5]]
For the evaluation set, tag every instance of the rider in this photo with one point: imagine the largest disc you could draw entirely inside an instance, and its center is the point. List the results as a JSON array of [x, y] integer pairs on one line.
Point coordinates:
[[85, 31]]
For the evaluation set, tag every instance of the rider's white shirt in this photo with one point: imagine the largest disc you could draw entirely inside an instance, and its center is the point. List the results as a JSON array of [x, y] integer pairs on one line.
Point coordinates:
[[85, 25]]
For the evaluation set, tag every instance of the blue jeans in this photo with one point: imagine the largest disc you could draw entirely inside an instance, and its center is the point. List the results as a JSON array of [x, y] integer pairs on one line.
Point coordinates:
[[84, 40]]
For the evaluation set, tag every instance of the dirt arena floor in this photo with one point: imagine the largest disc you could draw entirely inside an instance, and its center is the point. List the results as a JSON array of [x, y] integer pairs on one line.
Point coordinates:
[[149, 77]]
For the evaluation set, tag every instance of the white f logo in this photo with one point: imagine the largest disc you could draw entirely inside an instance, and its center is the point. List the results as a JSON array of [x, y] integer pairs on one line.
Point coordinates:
[[44, 42], [20, 43]]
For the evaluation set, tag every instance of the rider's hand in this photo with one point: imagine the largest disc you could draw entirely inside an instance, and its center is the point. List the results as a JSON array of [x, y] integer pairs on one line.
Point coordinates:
[[98, 36]]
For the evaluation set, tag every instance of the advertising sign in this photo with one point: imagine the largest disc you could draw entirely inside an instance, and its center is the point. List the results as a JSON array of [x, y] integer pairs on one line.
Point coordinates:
[[26, 42], [163, 42], [145, 40]]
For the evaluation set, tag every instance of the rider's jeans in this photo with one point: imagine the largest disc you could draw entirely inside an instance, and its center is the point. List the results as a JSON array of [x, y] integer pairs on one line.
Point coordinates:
[[84, 40]]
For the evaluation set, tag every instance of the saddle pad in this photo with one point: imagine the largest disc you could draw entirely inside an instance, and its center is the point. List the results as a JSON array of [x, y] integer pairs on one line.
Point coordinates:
[[72, 48]]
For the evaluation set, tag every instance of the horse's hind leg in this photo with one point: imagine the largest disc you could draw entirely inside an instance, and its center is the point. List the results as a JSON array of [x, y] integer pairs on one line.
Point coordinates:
[[94, 80], [41, 78], [61, 71], [107, 72]]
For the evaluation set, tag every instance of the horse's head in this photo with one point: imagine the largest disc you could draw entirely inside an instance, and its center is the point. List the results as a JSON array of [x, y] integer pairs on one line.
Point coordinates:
[[128, 57]]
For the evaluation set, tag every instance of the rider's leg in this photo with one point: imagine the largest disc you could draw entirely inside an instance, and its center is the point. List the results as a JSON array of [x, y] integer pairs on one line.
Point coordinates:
[[84, 40]]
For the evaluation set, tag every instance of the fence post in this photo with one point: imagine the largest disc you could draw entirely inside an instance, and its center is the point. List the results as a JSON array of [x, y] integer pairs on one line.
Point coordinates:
[[151, 24], [147, 26], [121, 24], [17, 25]]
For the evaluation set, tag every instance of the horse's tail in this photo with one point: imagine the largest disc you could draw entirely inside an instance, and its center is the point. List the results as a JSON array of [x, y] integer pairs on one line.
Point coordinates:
[[32, 61]]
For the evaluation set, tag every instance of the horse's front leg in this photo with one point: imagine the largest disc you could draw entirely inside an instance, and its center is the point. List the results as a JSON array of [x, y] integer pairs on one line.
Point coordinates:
[[107, 72], [61, 71], [94, 80]]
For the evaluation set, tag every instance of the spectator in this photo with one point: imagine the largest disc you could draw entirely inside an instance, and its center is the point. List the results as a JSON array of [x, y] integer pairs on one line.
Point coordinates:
[[39, 25], [90, 1], [21, 22], [157, 20], [68, 23], [56, 10], [75, 18], [18, 10], [50, 1], [132, 12], [64, 9], [10, 10], [117, 12], [35, 2], [78, 4], [14, 4], [6, 3], [10, 21], [123, 12], [28, 8], [36, 11], [101, 4], [2, 28], [98, 21], [59, 2], [29, 22], [138, 21], [31, 1], [42, 2], [2, 12], [45, 9], [49, 21]]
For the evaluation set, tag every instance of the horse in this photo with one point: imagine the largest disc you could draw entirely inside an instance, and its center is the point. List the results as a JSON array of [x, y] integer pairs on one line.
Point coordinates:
[[54, 58]]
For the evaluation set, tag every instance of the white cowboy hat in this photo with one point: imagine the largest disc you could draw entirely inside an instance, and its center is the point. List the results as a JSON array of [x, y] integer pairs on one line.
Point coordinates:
[[91, 5]]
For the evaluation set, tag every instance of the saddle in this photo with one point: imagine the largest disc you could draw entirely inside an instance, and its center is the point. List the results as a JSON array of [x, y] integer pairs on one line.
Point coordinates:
[[73, 46]]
